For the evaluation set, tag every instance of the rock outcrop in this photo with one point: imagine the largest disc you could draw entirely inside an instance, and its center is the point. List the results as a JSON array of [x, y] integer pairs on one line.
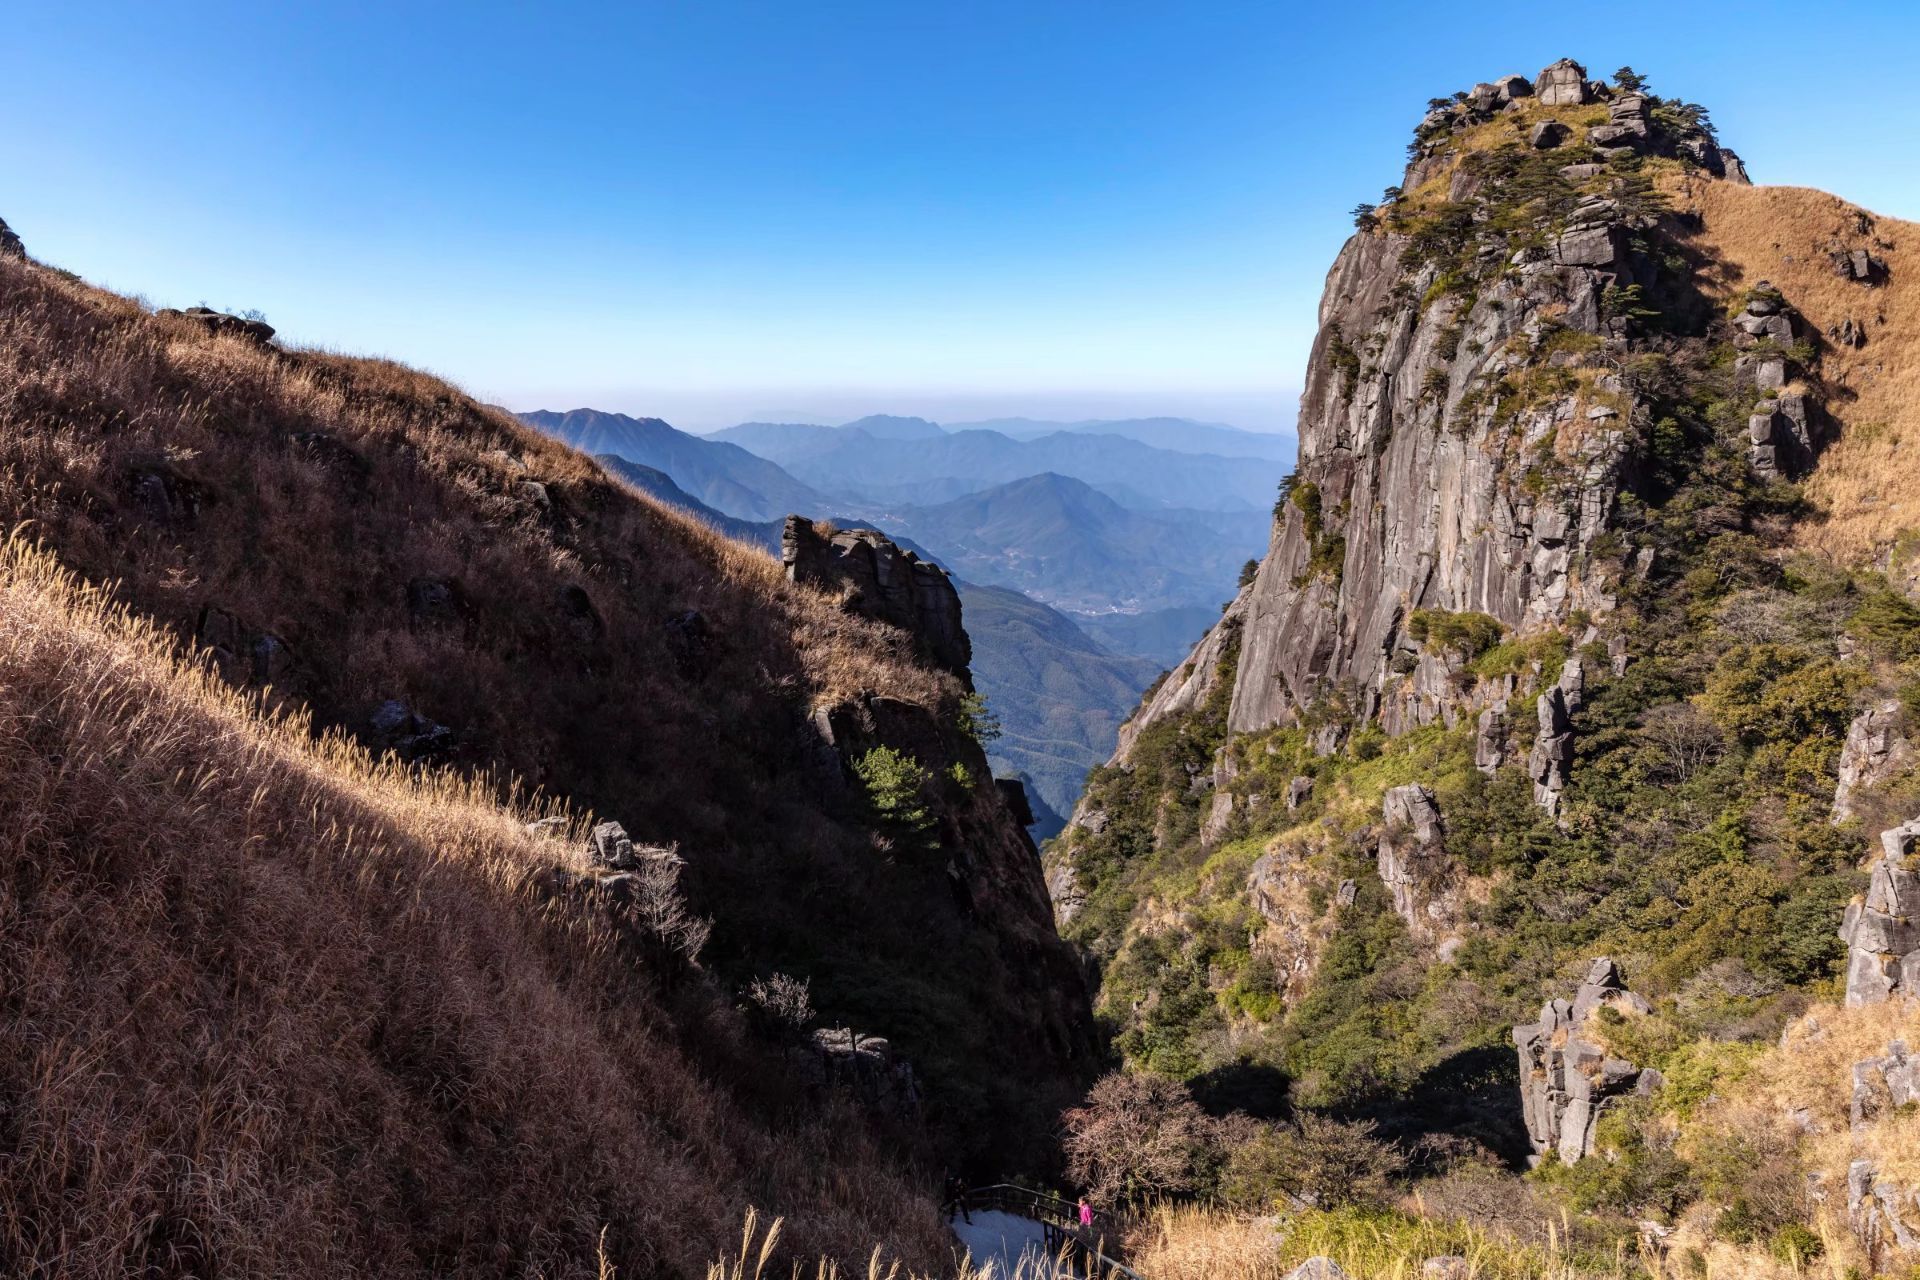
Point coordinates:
[[1414, 865], [883, 582], [1884, 1214], [1566, 1080], [1467, 430], [1882, 929], [1552, 756], [10, 246], [220, 322], [1875, 750]]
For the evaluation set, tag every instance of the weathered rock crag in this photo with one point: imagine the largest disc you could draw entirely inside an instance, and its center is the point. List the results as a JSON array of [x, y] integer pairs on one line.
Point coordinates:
[[1882, 929], [1568, 1081], [884, 582]]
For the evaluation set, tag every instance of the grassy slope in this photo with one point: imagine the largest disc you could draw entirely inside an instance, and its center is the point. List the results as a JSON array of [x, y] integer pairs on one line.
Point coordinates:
[[234, 493], [1865, 484], [275, 1009]]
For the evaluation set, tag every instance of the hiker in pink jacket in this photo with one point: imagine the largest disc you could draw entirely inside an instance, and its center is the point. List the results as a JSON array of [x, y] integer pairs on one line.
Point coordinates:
[[1086, 1215]]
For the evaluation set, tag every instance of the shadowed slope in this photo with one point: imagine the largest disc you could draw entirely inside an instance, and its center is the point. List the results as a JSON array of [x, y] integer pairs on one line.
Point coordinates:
[[274, 1009]]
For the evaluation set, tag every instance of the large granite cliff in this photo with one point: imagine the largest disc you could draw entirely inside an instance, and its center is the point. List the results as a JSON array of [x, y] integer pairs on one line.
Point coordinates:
[[1470, 416]]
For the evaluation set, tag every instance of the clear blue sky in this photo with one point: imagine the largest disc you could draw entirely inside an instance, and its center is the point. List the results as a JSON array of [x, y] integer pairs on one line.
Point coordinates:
[[712, 210]]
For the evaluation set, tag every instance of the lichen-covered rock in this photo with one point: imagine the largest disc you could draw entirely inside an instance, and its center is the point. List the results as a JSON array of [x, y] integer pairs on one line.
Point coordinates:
[[1875, 750], [1882, 929], [1566, 1080], [883, 582]]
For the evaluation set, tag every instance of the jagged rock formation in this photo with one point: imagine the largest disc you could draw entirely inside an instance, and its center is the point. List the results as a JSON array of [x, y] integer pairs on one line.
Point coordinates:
[[1435, 383], [883, 582], [1566, 1081], [1552, 753], [1413, 862], [10, 246], [1882, 930], [1875, 750]]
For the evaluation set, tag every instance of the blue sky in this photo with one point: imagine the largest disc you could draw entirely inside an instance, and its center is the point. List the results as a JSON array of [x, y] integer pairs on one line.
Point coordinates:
[[719, 210]]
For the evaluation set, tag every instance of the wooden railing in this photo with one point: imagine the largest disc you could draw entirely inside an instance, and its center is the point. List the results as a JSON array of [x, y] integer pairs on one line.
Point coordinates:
[[1059, 1223]]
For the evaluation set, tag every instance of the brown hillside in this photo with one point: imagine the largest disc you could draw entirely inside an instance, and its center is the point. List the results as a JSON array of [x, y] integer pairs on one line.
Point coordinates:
[[434, 577], [268, 1008], [1866, 483]]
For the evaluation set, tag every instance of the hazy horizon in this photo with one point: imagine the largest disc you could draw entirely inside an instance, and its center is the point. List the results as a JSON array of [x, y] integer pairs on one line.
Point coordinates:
[[703, 413]]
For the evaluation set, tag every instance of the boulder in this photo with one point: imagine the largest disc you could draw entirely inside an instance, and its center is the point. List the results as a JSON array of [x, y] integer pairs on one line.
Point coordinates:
[[1447, 1267], [1587, 246], [1298, 792], [1317, 1268], [1875, 750], [1547, 135], [1563, 84], [219, 322], [1490, 739], [1581, 172], [398, 728], [1512, 87]]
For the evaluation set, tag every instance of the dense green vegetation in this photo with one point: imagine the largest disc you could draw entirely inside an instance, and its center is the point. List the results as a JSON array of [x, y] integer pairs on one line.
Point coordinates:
[[1693, 842]]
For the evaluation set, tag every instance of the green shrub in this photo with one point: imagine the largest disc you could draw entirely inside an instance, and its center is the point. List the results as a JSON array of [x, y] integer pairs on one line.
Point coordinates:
[[1467, 634], [895, 784]]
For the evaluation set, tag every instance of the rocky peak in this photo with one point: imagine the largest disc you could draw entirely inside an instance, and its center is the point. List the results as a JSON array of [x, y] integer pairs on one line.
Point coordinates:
[[1470, 422], [10, 246], [884, 582]]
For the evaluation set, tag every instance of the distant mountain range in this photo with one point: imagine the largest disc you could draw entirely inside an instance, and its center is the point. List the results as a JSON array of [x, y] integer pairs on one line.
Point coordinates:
[[1180, 435], [1064, 542], [719, 475], [923, 468], [1059, 695]]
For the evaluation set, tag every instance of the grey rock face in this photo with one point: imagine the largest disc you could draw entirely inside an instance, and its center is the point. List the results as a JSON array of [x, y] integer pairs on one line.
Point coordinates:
[[1298, 791], [1882, 930], [882, 582], [1874, 751], [1420, 504], [1317, 1268], [1566, 1081], [10, 246], [1563, 84], [1414, 865]]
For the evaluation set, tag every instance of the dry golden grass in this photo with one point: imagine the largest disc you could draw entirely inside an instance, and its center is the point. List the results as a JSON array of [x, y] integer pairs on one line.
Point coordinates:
[[233, 492], [272, 1008], [1865, 482]]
